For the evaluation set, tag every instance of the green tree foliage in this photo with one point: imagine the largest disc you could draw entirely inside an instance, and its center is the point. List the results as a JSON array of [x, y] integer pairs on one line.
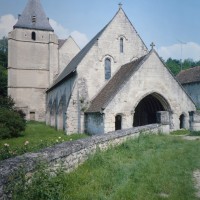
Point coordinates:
[[12, 121], [3, 66], [175, 65]]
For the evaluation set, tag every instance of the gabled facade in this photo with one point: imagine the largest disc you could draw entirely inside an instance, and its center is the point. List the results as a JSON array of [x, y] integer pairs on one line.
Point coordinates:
[[67, 50], [141, 92]]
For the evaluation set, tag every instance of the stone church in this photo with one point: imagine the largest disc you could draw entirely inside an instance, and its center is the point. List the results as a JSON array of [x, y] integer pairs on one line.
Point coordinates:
[[113, 83]]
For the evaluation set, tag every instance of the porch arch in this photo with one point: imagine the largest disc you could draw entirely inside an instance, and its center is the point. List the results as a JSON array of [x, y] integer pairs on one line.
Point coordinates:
[[146, 109]]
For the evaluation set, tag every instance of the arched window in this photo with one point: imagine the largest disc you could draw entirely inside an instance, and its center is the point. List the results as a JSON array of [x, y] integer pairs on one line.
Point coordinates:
[[33, 36], [107, 68], [121, 45]]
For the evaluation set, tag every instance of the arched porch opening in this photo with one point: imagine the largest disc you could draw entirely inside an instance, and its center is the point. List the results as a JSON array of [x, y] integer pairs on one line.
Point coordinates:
[[146, 110], [118, 122]]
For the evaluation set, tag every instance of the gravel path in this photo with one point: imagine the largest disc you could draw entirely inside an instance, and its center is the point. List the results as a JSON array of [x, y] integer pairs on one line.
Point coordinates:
[[196, 174]]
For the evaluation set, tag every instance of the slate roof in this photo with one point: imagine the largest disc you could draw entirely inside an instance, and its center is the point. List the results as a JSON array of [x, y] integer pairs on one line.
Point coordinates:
[[191, 75], [33, 8], [113, 86], [60, 43]]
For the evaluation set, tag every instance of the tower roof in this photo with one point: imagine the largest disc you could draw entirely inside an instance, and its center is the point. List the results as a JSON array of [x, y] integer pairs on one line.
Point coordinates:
[[33, 17]]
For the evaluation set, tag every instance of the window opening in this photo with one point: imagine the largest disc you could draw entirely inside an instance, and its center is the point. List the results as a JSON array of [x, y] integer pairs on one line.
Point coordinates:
[[32, 116], [107, 68], [118, 122], [33, 36], [121, 45]]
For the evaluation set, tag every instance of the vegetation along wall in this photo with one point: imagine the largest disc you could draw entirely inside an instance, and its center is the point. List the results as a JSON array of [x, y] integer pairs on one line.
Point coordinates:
[[68, 155]]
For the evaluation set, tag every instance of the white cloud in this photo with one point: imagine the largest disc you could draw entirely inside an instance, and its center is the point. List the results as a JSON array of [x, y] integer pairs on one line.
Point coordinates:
[[60, 31], [6, 24], [80, 38], [8, 21], [63, 33], [181, 51]]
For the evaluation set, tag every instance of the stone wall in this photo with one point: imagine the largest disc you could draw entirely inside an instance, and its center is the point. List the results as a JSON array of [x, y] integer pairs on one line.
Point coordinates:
[[69, 155]]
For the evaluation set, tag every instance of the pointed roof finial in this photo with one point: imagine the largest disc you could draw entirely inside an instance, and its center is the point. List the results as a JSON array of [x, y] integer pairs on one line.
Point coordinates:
[[152, 45], [120, 5]]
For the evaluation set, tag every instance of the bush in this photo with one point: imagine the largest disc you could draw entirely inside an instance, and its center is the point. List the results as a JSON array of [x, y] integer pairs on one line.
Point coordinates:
[[7, 102], [11, 123]]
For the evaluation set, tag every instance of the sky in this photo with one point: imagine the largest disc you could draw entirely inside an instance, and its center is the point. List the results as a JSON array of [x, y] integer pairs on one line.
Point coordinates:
[[173, 25]]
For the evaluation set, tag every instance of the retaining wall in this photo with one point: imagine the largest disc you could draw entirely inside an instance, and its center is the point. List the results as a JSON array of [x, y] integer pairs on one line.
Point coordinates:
[[68, 155]]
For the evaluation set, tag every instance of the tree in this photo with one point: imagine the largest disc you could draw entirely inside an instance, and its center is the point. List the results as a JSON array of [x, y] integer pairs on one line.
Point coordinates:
[[174, 65], [3, 66], [12, 121]]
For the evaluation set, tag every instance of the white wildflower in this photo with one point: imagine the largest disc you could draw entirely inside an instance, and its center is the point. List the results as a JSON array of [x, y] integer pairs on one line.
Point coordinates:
[[26, 143], [6, 145]]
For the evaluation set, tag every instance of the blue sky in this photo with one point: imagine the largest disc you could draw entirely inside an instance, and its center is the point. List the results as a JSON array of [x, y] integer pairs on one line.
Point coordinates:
[[165, 22]]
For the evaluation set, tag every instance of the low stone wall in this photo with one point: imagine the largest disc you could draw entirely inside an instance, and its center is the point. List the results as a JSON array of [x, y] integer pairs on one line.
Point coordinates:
[[69, 155]]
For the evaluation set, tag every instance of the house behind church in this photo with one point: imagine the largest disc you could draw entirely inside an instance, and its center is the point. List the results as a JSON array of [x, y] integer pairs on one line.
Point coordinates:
[[190, 79]]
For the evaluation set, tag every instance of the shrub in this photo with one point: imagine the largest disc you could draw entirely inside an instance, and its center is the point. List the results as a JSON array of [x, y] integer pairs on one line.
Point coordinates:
[[7, 102], [11, 123]]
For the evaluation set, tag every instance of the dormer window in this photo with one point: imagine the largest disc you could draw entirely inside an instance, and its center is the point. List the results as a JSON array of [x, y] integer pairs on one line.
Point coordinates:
[[33, 19]]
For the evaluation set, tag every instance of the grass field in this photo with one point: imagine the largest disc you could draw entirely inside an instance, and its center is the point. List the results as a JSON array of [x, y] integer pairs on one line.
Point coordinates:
[[148, 168], [36, 136]]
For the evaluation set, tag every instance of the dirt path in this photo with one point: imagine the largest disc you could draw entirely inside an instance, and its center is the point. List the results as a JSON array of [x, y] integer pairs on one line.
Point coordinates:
[[196, 173]]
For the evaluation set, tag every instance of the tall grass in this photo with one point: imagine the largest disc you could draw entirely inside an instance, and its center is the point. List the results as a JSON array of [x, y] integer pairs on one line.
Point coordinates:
[[151, 168], [35, 137]]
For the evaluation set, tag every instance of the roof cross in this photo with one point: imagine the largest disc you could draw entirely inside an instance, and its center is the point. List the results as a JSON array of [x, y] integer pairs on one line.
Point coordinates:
[[152, 45], [120, 5]]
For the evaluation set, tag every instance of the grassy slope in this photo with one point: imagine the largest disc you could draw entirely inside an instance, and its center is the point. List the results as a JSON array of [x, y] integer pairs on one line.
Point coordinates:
[[142, 169], [39, 136]]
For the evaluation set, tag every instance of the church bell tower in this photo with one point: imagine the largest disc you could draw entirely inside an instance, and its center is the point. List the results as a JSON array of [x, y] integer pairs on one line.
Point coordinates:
[[32, 60]]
